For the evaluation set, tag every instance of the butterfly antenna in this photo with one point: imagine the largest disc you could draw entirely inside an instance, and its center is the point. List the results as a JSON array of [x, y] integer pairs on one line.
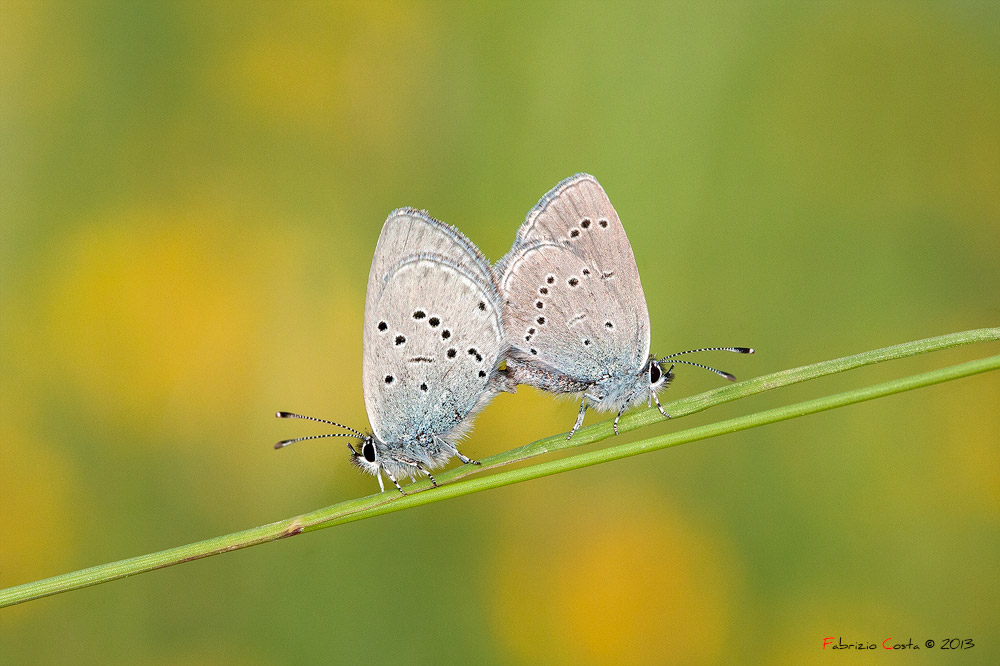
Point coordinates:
[[290, 415], [738, 350], [282, 444], [731, 377]]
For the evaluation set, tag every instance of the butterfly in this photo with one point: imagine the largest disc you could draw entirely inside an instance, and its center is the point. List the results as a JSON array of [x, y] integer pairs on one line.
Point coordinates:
[[574, 309], [433, 341]]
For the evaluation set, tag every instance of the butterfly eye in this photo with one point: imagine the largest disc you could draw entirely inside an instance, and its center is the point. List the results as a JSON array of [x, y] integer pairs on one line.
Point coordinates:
[[654, 373], [368, 451]]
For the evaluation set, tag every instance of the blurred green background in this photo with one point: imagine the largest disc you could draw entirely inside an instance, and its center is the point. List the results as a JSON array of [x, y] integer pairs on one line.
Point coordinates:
[[191, 195]]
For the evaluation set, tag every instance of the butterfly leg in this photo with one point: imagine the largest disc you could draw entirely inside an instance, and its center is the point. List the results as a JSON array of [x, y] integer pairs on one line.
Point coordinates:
[[579, 418], [466, 459], [393, 479], [427, 472], [454, 451], [620, 412], [378, 475], [658, 405]]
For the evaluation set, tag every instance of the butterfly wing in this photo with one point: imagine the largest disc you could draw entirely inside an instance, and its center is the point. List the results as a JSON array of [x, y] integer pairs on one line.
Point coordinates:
[[433, 333], [573, 301], [409, 231]]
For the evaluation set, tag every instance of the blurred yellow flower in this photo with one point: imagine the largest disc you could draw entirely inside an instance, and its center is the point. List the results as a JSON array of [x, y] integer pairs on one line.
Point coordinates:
[[146, 312], [627, 580]]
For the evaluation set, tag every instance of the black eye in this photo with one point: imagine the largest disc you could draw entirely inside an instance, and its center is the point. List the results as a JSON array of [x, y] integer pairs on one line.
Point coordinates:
[[654, 373], [368, 451]]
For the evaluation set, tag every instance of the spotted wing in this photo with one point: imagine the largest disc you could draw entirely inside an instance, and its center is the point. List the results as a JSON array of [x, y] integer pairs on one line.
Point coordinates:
[[572, 297], [433, 333]]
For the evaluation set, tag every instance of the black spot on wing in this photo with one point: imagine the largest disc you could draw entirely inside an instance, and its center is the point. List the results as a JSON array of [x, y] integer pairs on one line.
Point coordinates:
[[421, 359]]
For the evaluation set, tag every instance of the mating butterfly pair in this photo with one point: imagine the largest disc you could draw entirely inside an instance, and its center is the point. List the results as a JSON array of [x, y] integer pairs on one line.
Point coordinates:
[[564, 309]]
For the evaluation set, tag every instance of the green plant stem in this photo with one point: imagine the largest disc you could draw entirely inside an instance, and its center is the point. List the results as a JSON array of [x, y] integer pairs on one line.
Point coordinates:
[[368, 507], [744, 389]]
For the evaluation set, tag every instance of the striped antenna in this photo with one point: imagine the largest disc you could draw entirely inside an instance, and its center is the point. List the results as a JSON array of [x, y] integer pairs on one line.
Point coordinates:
[[290, 415], [731, 377]]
